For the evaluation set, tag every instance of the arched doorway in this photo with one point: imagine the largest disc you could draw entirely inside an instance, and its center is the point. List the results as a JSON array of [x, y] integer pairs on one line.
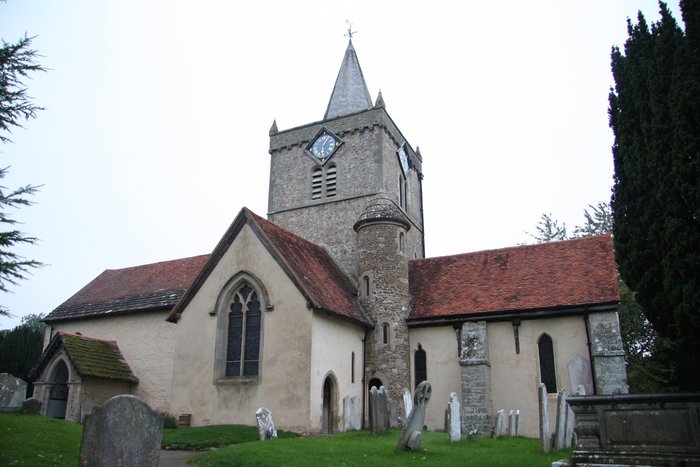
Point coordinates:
[[58, 396], [329, 412]]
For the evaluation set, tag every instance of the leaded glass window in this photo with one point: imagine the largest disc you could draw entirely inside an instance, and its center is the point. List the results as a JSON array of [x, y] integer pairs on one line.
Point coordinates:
[[243, 344]]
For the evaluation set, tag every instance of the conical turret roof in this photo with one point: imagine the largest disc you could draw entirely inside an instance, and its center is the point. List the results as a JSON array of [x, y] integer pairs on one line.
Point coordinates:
[[350, 92]]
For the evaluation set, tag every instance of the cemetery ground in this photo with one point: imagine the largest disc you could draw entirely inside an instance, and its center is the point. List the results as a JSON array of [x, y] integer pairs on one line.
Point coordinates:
[[32, 440]]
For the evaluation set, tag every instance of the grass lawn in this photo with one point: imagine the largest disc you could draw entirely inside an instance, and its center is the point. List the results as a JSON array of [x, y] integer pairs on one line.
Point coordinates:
[[31, 440], [361, 448]]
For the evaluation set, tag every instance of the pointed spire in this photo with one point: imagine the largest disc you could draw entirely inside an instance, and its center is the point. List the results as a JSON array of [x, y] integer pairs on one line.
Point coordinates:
[[379, 103], [350, 92], [273, 128]]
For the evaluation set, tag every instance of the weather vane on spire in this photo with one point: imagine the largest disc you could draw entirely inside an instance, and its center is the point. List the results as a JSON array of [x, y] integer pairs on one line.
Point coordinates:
[[350, 31]]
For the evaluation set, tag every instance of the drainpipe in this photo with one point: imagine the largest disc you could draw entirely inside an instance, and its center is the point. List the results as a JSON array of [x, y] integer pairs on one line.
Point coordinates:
[[590, 351], [364, 373]]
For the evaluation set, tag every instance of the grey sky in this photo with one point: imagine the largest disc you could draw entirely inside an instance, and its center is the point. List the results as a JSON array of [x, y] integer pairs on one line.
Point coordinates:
[[155, 132]]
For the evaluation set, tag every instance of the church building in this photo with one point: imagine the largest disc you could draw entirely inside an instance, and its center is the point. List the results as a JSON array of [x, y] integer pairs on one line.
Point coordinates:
[[331, 294]]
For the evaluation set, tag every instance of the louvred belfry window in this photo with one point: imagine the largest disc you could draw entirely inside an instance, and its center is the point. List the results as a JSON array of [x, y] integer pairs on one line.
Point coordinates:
[[243, 333]]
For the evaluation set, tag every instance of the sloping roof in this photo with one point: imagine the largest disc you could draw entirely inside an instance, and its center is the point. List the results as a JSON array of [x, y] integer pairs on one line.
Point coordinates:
[[571, 273], [308, 265], [350, 93], [90, 357], [149, 287]]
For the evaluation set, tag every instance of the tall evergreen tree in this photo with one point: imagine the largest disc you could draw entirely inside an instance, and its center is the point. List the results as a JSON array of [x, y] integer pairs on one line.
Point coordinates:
[[655, 116], [16, 63]]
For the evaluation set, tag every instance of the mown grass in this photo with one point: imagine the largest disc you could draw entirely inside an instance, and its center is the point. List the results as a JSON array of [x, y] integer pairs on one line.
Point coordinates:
[[213, 436], [33, 440], [361, 448], [30, 440]]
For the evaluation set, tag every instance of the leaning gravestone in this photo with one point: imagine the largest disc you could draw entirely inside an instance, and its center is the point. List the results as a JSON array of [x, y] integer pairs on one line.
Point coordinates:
[[453, 425], [266, 427], [12, 392], [352, 413], [412, 435], [501, 424], [124, 431], [378, 410], [562, 409]]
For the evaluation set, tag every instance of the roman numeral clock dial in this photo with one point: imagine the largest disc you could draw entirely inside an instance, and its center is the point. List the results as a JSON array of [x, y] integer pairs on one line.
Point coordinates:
[[323, 146]]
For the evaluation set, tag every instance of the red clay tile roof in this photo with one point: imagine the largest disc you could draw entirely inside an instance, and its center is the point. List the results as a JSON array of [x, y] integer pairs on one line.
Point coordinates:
[[313, 270], [91, 357], [554, 275], [308, 265], [156, 286]]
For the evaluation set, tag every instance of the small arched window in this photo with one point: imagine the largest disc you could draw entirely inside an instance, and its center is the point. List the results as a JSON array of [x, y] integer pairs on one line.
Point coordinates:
[[402, 192], [365, 285], [352, 368], [420, 368], [402, 242], [385, 333], [547, 372]]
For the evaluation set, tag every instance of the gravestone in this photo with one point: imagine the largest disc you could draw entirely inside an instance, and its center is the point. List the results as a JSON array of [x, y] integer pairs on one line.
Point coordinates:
[[394, 420], [266, 427], [407, 403], [124, 431], [31, 406], [13, 391], [560, 431], [453, 424], [412, 434], [352, 413], [514, 423], [378, 410], [501, 425], [545, 443]]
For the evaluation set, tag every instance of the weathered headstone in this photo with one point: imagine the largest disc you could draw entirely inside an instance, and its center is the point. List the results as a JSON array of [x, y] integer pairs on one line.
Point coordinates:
[[31, 406], [412, 435], [514, 423], [394, 420], [12, 392], [124, 431], [352, 413], [378, 410], [454, 424], [569, 430], [545, 443], [266, 427], [501, 425], [560, 441], [407, 403]]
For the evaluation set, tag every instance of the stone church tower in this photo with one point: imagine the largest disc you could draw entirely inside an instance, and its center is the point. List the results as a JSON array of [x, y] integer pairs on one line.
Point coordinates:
[[352, 184], [324, 174]]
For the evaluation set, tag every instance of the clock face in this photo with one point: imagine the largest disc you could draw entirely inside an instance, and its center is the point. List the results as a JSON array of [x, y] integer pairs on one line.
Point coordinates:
[[323, 146], [403, 159]]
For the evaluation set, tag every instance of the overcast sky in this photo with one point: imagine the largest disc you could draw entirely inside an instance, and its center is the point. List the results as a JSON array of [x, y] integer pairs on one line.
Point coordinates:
[[155, 132]]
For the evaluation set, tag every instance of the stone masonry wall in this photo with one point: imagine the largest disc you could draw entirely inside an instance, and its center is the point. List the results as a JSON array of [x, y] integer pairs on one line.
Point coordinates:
[[387, 268], [476, 378], [366, 165]]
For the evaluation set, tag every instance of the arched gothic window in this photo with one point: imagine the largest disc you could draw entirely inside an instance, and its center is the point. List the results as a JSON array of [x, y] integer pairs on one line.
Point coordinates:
[[402, 193], [547, 372], [420, 368], [243, 338]]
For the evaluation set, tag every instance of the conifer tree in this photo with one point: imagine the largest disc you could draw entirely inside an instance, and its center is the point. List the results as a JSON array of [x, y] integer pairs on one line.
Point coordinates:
[[655, 116], [16, 62]]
